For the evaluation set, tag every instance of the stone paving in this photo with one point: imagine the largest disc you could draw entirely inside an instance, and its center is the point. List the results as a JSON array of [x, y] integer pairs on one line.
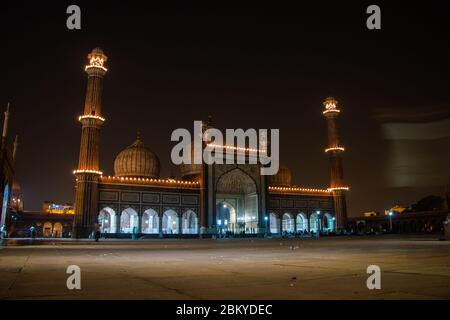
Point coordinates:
[[412, 267]]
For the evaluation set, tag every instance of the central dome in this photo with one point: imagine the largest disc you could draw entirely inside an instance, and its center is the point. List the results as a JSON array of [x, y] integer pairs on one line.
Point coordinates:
[[283, 178], [137, 161], [191, 171]]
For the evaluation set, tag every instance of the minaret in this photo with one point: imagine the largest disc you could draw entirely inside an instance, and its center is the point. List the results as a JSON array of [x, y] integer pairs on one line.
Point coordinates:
[[88, 171], [205, 194], [335, 151], [4, 183], [5, 127], [15, 146]]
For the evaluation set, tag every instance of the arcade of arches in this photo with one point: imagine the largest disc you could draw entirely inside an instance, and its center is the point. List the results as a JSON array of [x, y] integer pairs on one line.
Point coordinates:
[[52, 230], [150, 222], [300, 222]]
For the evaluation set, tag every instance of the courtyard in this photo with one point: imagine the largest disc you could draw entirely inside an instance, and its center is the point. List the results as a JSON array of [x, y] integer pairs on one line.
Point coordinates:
[[412, 267]]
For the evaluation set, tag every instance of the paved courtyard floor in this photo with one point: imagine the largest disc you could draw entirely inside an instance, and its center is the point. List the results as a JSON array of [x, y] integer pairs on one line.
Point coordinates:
[[414, 267]]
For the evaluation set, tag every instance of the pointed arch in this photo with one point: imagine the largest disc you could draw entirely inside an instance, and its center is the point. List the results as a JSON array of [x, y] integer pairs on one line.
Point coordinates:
[[189, 222], [170, 222], [150, 221], [107, 220], [288, 223], [129, 221], [302, 222], [274, 223]]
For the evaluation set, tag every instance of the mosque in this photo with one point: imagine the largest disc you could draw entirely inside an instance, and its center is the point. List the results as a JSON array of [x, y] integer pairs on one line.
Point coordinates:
[[210, 199]]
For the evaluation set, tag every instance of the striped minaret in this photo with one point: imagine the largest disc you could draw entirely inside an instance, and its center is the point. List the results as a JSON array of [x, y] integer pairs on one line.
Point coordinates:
[[88, 172], [335, 150]]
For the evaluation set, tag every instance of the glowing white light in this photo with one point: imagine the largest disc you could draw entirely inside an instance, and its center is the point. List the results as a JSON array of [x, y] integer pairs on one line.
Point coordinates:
[[96, 62]]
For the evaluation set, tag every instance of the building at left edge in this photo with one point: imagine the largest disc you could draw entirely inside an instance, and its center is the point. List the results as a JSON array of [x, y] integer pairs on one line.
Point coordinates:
[[7, 164]]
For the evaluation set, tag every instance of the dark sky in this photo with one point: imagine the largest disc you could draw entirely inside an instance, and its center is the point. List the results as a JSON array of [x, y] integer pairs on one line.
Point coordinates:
[[249, 67]]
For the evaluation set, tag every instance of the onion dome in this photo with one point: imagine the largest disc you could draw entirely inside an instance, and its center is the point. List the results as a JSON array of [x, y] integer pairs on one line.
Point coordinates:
[[137, 161], [283, 178], [191, 171]]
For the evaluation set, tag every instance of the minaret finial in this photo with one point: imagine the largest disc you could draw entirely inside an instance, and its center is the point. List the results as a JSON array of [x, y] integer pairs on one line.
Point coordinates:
[[210, 121]]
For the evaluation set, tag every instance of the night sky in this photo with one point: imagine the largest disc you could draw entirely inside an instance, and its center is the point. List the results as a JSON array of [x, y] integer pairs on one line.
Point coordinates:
[[252, 67]]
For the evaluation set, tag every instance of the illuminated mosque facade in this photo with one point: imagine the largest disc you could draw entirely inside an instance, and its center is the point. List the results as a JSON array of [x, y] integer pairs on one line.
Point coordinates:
[[208, 200]]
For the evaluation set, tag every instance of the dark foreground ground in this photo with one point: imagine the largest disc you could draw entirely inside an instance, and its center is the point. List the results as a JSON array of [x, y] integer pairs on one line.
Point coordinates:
[[414, 267]]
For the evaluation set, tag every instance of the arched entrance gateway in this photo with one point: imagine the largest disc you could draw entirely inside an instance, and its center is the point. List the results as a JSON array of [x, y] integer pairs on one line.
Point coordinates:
[[274, 223], [236, 199]]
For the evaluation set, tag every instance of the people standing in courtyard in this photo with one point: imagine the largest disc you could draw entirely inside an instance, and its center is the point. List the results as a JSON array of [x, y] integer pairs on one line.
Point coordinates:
[[3, 232], [32, 232], [97, 232]]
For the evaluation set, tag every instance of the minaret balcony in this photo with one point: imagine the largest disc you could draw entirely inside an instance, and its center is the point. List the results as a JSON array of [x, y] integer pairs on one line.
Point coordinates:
[[335, 149]]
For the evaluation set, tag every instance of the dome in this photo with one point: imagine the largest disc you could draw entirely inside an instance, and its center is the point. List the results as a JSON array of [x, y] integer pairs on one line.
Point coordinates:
[[283, 178], [190, 171], [137, 161]]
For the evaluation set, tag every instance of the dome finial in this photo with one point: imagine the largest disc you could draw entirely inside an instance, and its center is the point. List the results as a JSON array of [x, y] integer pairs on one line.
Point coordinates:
[[138, 135]]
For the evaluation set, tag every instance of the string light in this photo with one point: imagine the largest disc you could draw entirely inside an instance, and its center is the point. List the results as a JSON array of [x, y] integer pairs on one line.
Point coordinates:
[[298, 189], [212, 145], [331, 111], [148, 181], [87, 116], [338, 188], [334, 149], [88, 171]]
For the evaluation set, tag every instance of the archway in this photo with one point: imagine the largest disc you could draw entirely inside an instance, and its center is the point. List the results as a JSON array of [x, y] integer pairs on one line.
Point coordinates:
[[226, 217], [150, 221], [189, 222], [237, 190], [47, 230], [288, 223], [107, 220], [274, 223], [128, 221], [302, 222], [57, 230], [314, 222], [170, 222], [328, 222]]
